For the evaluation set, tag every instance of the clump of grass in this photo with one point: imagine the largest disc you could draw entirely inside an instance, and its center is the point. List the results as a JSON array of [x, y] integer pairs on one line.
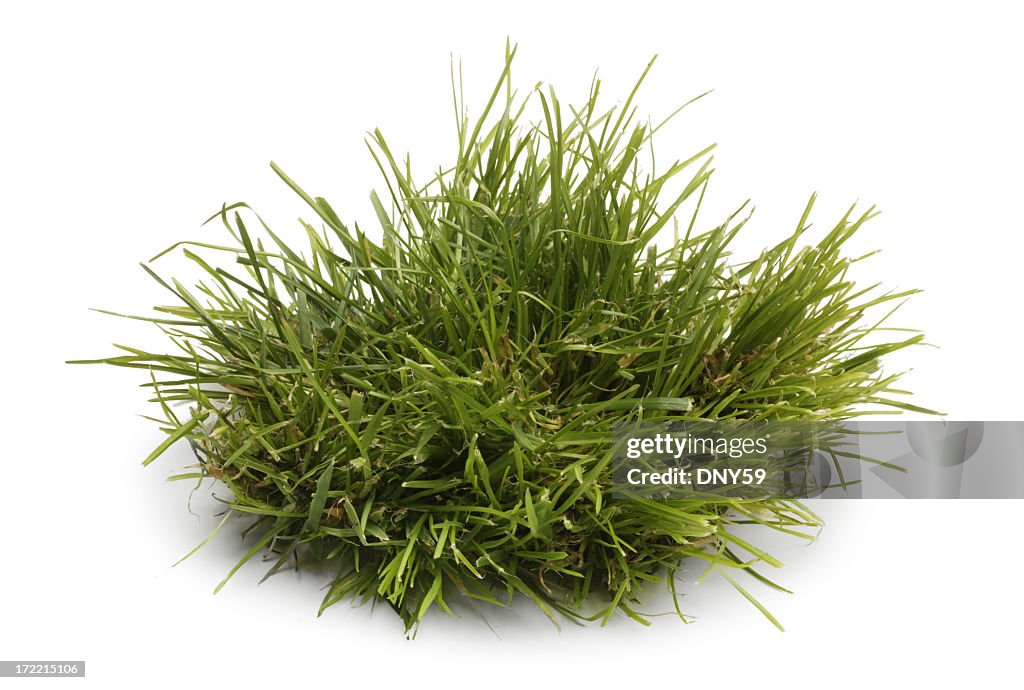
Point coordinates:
[[432, 412]]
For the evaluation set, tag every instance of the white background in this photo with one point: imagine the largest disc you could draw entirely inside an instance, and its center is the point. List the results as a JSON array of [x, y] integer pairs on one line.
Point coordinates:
[[124, 126]]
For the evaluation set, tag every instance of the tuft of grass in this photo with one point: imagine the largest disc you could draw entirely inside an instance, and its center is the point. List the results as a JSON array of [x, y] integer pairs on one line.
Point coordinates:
[[433, 412]]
